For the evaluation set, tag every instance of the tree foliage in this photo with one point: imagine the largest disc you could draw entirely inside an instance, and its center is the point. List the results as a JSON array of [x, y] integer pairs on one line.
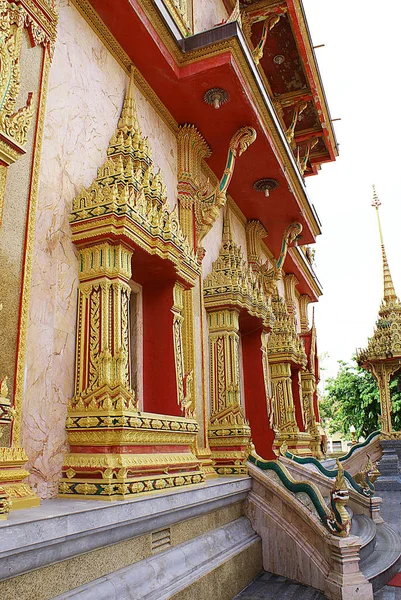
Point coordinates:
[[352, 398]]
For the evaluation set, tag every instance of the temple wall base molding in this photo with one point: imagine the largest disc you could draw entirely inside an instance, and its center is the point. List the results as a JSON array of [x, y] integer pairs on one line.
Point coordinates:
[[142, 452], [229, 439], [15, 492], [299, 443]]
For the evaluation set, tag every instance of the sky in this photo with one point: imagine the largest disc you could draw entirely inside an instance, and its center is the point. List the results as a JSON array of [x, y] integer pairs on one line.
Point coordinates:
[[360, 69]]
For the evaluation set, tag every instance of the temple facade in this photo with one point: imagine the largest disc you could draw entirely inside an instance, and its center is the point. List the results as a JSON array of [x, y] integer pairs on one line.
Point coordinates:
[[156, 276]]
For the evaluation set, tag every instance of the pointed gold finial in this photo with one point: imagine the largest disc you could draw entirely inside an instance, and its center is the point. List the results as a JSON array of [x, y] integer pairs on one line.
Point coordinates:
[[227, 235], [389, 291], [129, 120]]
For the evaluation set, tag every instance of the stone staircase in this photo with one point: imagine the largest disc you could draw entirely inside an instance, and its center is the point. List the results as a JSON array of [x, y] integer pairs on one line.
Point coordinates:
[[380, 552], [380, 560], [268, 586]]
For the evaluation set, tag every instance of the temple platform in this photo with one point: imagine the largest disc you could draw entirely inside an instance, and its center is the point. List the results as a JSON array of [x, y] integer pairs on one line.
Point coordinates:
[[156, 546], [268, 586]]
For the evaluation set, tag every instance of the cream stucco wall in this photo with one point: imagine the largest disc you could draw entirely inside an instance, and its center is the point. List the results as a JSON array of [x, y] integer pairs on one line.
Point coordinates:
[[208, 13], [85, 95]]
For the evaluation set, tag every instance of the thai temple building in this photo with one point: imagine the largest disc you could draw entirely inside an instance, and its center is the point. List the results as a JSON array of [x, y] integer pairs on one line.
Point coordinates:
[[159, 422]]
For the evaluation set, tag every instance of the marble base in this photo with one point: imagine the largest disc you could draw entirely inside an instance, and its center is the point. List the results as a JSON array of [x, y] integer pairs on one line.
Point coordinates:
[[60, 530], [163, 576], [389, 466]]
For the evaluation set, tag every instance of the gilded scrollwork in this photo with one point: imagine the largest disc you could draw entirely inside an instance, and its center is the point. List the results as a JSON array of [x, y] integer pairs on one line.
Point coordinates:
[[207, 205], [270, 16], [299, 108]]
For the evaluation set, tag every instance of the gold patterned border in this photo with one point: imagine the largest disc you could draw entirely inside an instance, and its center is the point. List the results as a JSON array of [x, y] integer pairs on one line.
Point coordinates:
[[27, 267]]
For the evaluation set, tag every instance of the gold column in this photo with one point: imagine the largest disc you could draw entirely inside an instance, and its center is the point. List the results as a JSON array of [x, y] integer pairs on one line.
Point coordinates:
[[308, 382], [192, 150], [383, 372], [267, 380], [284, 409], [228, 428], [102, 349]]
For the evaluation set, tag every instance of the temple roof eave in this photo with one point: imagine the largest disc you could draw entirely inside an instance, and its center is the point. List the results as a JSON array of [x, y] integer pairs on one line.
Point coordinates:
[[194, 63]]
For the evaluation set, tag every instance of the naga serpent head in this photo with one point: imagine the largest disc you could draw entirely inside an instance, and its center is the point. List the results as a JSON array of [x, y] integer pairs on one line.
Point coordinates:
[[292, 232], [242, 139]]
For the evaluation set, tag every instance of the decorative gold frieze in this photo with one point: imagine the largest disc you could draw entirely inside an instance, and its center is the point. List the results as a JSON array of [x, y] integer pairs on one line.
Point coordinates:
[[5, 504], [181, 11], [12, 475]]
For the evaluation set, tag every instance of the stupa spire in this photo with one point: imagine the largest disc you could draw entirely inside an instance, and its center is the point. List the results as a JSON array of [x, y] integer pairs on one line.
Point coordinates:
[[389, 294]]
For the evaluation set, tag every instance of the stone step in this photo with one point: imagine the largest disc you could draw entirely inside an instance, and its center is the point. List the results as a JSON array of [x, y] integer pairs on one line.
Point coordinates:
[[365, 528], [385, 561], [329, 464], [268, 586]]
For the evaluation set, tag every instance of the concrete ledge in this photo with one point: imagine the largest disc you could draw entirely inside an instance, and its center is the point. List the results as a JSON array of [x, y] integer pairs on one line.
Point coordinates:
[[61, 529], [164, 575]]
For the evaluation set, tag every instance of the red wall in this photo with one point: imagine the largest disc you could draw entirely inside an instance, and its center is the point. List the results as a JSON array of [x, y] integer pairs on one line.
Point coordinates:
[[159, 379], [255, 395]]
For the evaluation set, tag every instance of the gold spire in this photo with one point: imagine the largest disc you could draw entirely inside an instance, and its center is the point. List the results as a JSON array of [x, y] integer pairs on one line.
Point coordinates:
[[389, 291], [227, 235], [129, 120]]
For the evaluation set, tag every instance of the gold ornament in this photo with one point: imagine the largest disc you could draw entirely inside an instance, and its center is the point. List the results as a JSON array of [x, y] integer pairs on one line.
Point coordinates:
[[382, 355]]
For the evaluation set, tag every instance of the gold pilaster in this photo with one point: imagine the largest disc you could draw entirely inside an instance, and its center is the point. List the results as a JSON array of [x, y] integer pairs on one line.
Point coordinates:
[[308, 382], [228, 427], [232, 286], [304, 301], [286, 353], [290, 283], [284, 410], [192, 150]]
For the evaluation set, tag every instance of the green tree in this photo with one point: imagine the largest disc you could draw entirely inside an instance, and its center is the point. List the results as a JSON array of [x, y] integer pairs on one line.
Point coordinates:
[[352, 398]]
